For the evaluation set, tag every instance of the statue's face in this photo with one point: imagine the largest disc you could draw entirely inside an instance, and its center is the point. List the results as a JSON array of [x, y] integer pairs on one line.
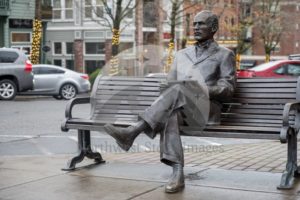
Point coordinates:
[[202, 31]]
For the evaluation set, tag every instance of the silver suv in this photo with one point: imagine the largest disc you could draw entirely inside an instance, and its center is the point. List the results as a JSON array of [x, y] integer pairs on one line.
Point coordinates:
[[15, 73]]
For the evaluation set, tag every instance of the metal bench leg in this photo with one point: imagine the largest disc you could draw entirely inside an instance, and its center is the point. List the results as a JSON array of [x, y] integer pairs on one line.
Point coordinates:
[[291, 171], [88, 150], [84, 149]]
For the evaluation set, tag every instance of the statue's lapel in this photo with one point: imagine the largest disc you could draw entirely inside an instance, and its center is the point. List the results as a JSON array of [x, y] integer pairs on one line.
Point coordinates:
[[206, 54], [191, 54]]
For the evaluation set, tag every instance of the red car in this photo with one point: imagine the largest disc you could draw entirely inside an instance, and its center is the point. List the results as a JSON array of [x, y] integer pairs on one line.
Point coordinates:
[[276, 69]]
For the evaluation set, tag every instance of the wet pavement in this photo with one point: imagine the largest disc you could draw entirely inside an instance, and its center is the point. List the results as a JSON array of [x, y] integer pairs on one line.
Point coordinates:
[[40, 177]]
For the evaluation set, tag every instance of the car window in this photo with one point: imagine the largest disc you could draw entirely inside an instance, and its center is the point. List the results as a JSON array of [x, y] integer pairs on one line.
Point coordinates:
[[265, 66], [281, 70], [8, 57], [47, 70], [293, 69]]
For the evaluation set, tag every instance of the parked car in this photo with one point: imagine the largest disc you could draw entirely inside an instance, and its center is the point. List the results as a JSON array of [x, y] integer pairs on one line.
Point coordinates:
[[276, 69], [15, 73], [61, 83]]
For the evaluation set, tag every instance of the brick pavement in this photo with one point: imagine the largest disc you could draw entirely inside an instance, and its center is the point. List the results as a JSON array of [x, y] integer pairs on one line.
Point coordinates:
[[269, 156]]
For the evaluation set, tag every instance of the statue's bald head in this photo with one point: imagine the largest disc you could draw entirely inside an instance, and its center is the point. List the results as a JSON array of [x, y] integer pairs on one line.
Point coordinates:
[[210, 19], [205, 26]]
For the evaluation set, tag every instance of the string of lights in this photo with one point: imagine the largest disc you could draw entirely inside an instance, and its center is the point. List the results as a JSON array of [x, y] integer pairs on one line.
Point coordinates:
[[170, 57], [36, 41], [116, 37], [114, 62]]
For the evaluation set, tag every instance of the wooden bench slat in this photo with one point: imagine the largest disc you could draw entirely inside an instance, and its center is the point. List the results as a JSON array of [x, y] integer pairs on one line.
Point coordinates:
[[98, 123], [129, 117], [128, 83], [246, 128], [252, 119], [266, 90], [134, 88], [135, 79], [250, 116], [116, 97], [122, 107], [266, 80], [265, 95], [262, 101], [254, 111], [279, 125], [124, 102], [222, 134], [119, 111], [266, 85], [253, 106], [127, 93]]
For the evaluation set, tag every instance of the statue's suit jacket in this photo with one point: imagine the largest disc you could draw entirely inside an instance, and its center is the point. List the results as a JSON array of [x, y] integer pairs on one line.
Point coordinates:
[[215, 67]]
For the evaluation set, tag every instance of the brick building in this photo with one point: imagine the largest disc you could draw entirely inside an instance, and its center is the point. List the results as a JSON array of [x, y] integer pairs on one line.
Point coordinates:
[[290, 38]]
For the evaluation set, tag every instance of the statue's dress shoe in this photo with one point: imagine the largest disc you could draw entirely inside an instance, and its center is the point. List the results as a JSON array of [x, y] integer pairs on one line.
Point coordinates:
[[176, 183], [123, 136]]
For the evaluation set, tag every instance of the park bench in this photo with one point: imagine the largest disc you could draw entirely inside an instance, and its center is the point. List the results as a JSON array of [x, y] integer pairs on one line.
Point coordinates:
[[261, 108]]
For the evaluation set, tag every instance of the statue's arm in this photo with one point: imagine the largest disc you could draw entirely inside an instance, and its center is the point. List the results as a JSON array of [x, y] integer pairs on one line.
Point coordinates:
[[224, 88]]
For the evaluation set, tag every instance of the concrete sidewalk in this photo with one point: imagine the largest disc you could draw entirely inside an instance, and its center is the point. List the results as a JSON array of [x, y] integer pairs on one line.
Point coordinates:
[[40, 177]]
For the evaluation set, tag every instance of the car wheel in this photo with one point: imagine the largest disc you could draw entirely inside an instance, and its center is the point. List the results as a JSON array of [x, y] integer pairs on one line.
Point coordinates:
[[68, 91], [58, 97], [8, 90]]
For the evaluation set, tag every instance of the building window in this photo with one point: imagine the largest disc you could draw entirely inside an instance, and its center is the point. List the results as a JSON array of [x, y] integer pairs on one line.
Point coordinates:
[[94, 48], [63, 9], [57, 9], [57, 48], [92, 65], [17, 37], [93, 9], [297, 26], [88, 9], [69, 48], [99, 8], [297, 44], [69, 9], [70, 64], [57, 62]]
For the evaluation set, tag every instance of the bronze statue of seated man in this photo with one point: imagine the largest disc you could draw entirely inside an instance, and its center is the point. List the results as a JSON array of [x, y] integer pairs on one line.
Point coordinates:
[[213, 69]]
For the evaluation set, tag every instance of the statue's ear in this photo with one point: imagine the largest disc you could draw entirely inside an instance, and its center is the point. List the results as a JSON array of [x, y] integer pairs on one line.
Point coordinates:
[[214, 28]]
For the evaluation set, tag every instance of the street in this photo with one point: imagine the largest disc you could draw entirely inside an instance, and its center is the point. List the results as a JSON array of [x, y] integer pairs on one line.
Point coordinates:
[[31, 126]]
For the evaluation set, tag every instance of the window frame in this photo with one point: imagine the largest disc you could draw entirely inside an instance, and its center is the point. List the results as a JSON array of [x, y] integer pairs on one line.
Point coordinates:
[[63, 13], [87, 54], [53, 48], [23, 42]]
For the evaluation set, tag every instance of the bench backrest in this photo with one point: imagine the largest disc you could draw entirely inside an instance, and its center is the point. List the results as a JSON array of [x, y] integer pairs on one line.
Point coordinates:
[[257, 105], [119, 100], [259, 102]]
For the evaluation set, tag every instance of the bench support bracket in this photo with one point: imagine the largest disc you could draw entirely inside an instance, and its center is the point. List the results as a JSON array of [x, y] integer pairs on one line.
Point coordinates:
[[84, 149], [291, 170]]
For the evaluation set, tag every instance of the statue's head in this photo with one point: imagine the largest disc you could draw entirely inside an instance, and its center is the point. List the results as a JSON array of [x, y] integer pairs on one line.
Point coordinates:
[[206, 25]]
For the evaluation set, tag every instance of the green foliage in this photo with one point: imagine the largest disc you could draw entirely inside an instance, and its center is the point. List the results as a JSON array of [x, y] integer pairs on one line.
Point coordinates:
[[94, 75]]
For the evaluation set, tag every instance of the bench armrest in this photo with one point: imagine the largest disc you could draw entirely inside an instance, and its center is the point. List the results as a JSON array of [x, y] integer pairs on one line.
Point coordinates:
[[294, 106], [69, 107]]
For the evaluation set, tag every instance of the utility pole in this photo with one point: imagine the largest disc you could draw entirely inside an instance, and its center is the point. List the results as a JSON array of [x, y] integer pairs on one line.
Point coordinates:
[[37, 34]]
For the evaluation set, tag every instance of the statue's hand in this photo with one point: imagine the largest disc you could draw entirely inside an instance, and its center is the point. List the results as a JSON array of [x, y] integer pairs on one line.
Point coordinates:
[[163, 86]]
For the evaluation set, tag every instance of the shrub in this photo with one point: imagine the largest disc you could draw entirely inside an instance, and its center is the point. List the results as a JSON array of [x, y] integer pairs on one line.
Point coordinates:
[[94, 75]]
